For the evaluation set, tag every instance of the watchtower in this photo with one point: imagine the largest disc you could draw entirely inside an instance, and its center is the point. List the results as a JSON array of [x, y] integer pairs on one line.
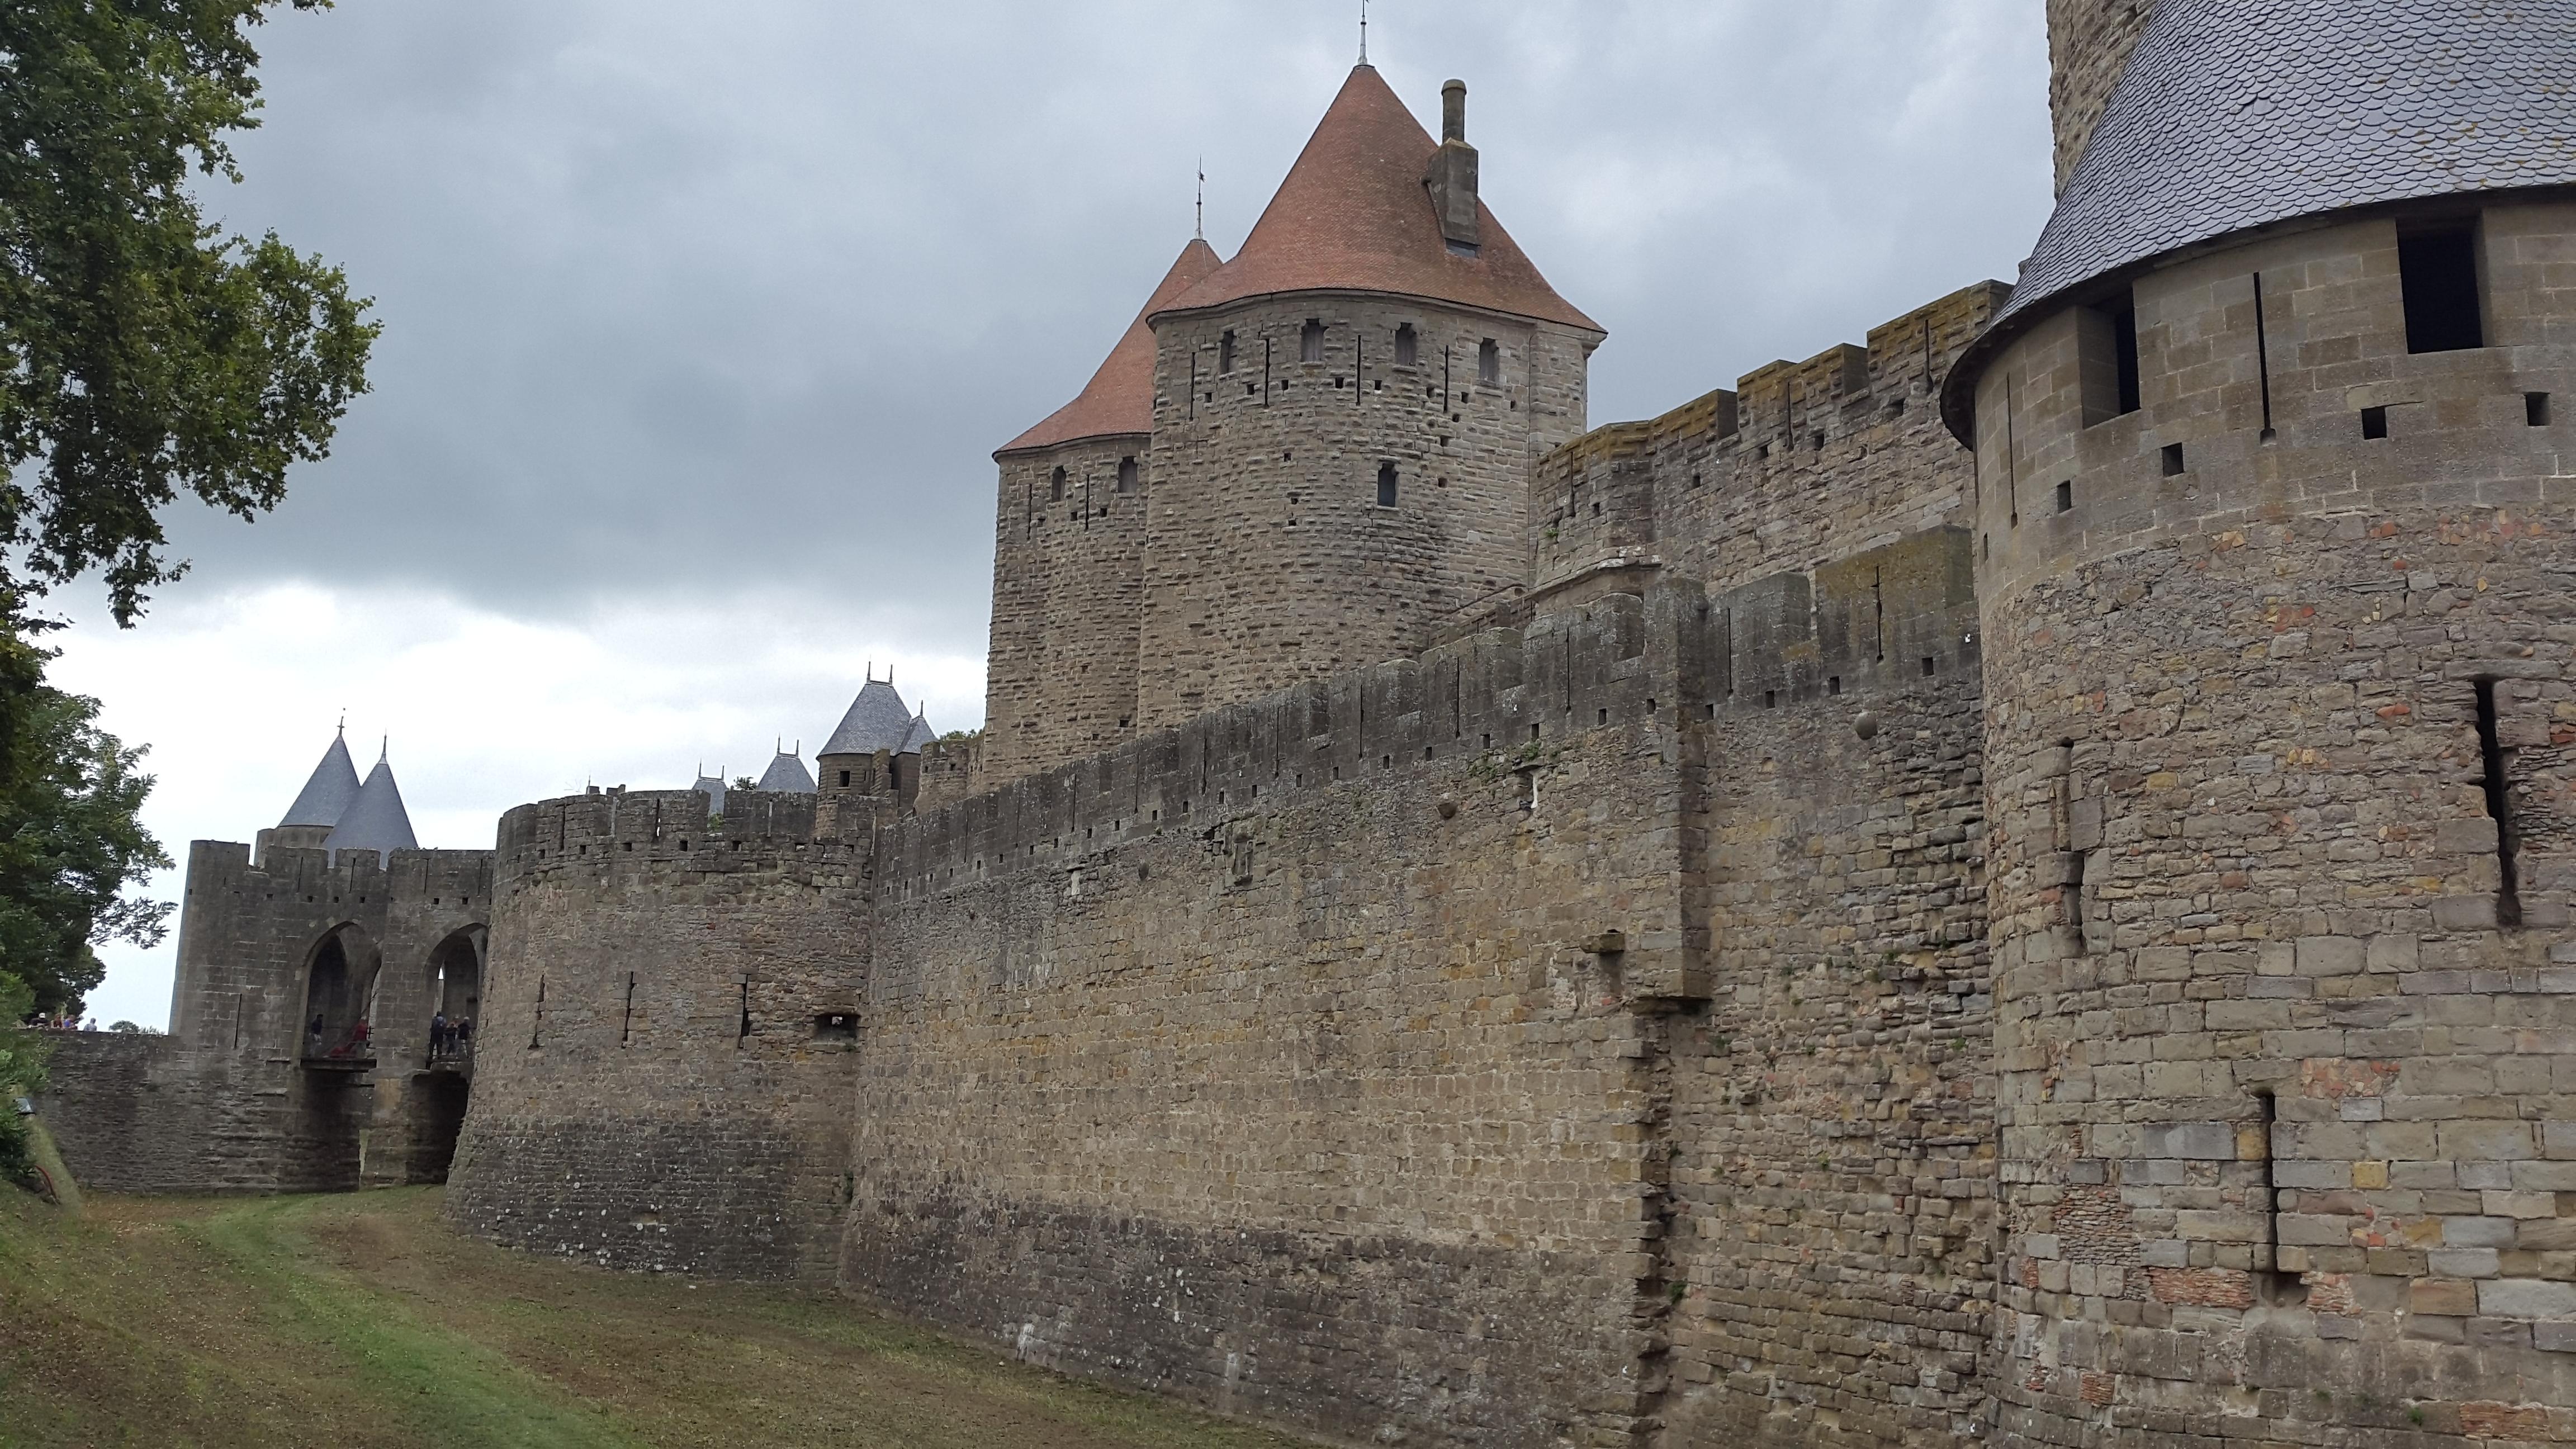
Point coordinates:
[[1345, 417], [2274, 544]]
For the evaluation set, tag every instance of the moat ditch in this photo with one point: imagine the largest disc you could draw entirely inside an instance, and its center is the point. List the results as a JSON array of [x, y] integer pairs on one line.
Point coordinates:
[[360, 1319]]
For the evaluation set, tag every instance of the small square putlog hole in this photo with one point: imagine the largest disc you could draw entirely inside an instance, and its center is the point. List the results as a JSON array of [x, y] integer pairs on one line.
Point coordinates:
[[2066, 497], [2173, 460], [836, 1026], [2535, 409], [2374, 422]]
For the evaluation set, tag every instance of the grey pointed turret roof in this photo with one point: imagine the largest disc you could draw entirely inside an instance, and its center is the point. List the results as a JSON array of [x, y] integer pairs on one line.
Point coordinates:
[[919, 735], [2236, 114], [787, 775], [877, 720], [326, 796], [376, 819], [713, 787]]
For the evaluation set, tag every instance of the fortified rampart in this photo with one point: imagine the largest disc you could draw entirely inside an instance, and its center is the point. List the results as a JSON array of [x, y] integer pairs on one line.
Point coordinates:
[[2016, 884], [669, 1034]]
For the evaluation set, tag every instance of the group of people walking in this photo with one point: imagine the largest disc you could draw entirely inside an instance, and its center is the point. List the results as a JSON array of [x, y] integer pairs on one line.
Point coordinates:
[[450, 1038]]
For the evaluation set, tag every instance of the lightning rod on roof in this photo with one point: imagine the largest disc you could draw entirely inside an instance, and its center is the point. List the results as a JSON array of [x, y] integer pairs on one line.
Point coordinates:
[[1202, 222], [1363, 32]]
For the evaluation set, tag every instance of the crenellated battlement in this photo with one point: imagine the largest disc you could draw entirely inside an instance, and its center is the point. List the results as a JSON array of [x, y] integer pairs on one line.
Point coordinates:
[[631, 832], [1885, 620], [356, 876], [1801, 463]]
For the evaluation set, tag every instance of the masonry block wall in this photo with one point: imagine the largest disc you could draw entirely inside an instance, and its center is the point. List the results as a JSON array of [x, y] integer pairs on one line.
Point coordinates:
[[225, 1103], [1269, 558], [2088, 42], [1295, 1061], [1802, 464], [669, 1035], [2278, 769], [1067, 600]]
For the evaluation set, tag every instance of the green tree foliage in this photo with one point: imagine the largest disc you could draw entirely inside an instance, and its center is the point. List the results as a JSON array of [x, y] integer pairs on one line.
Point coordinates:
[[22, 1074], [70, 842], [142, 350]]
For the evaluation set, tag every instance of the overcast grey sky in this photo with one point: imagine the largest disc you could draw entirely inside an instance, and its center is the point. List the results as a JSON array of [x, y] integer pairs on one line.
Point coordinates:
[[701, 322]]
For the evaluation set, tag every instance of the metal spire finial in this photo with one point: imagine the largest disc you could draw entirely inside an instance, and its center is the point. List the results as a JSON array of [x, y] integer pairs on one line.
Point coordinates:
[[1202, 223], [384, 749], [1363, 32]]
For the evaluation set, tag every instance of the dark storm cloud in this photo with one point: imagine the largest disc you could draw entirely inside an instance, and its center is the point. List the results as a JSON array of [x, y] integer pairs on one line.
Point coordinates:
[[686, 298]]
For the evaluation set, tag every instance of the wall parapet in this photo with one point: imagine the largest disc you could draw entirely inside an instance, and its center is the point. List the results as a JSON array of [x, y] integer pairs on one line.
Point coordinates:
[[1887, 619]]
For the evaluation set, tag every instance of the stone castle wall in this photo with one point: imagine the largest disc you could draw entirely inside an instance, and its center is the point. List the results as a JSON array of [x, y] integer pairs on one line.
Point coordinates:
[[2088, 42], [1268, 559], [224, 1103], [668, 1036], [1068, 596], [1803, 464], [2284, 1079]]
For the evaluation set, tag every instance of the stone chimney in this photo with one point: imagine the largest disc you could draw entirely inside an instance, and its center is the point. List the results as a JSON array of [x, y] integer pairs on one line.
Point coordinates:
[[1452, 177]]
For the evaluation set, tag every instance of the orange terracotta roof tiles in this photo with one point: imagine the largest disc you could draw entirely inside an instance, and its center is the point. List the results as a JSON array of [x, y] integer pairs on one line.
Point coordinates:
[[1353, 216], [1119, 399]]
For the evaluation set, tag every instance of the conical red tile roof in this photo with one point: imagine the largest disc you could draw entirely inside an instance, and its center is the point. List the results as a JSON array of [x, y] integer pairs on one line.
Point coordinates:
[[1119, 398], [1353, 216]]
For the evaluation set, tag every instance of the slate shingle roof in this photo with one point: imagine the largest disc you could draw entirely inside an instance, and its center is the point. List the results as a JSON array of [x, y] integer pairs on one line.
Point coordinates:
[[375, 820], [1119, 399], [326, 796], [787, 775], [1353, 216], [877, 720], [2235, 114]]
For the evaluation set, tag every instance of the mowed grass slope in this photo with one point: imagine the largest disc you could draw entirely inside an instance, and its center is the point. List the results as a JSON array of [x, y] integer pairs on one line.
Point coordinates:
[[362, 1320]]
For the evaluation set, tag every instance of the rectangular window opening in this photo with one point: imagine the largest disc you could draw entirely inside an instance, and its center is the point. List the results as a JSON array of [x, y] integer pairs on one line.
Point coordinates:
[[1310, 341], [2066, 497], [836, 1026], [2374, 422], [2499, 792], [2535, 409], [2173, 460], [1386, 485], [1225, 353], [1407, 347], [2438, 272], [1931, 666], [2107, 361], [1126, 475], [1834, 685]]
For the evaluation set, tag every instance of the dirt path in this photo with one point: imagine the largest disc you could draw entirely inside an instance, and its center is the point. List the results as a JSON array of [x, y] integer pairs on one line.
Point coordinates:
[[360, 1320]]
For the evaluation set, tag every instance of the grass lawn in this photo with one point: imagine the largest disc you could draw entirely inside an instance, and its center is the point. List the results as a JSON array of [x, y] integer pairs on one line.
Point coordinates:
[[361, 1319]]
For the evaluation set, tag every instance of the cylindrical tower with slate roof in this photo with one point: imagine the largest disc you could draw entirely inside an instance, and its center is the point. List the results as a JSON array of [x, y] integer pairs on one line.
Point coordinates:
[[2279, 613], [1345, 416], [1068, 540]]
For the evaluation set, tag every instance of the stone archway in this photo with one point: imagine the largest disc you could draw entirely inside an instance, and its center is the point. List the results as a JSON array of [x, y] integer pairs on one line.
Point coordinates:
[[441, 1091], [339, 992], [331, 1098]]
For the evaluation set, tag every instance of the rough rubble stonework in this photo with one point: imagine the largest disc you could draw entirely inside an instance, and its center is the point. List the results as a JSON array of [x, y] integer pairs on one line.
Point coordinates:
[[1765, 925]]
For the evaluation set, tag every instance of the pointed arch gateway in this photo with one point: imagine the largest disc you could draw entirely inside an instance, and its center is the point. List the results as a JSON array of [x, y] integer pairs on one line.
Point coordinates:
[[340, 972]]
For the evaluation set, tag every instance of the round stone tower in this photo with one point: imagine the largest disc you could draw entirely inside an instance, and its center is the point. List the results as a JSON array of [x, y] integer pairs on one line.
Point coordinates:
[[2274, 523], [1068, 547], [1345, 416]]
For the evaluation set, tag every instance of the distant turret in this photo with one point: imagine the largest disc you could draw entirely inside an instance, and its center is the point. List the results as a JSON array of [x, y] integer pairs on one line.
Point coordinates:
[[786, 775], [320, 804], [375, 819]]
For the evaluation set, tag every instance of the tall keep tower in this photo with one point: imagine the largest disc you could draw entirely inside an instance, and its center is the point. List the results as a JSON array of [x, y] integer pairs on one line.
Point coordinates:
[[1345, 415], [2275, 538]]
